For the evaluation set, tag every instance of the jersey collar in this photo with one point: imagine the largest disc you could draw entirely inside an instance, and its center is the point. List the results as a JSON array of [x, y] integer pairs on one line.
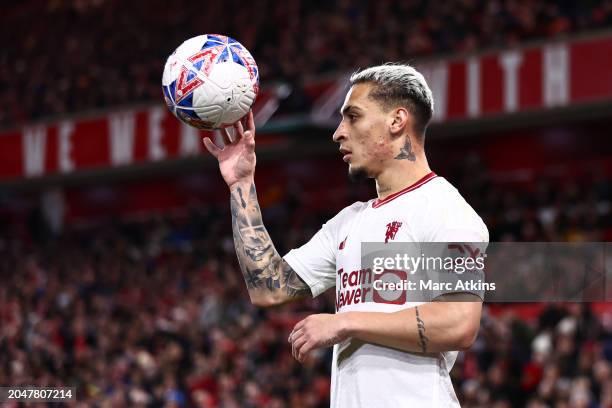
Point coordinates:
[[377, 203]]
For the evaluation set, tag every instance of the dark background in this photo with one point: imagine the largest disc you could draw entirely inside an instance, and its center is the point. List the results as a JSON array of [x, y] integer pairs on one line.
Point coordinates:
[[129, 288]]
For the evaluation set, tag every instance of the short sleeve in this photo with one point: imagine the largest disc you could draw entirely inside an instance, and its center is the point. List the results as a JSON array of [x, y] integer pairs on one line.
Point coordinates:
[[315, 261]]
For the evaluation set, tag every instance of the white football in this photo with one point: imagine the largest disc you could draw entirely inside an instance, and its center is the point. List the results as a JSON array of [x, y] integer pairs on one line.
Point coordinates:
[[210, 81]]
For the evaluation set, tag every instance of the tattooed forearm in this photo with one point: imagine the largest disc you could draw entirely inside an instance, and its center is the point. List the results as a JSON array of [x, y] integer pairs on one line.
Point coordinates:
[[406, 152], [423, 340], [295, 286], [268, 277]]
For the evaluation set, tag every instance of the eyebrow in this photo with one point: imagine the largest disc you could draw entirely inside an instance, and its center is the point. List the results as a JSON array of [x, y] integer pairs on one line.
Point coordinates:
[[349, 108]]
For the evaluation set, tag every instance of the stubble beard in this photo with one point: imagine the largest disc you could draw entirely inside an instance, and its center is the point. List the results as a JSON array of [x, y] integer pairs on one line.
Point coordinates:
[[358, 175]]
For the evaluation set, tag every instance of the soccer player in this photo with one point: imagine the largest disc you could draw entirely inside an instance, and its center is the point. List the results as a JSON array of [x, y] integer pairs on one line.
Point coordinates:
[[385, 355]]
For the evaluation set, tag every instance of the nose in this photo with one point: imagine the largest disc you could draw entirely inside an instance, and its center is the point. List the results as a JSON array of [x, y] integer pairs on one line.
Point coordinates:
[[340, 134]]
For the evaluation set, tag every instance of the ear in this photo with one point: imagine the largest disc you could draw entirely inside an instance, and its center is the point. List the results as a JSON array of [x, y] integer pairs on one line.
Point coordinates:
[[400, 121]]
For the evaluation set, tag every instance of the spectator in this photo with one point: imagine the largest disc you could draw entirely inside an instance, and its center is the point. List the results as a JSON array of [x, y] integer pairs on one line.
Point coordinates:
[[92, 54]]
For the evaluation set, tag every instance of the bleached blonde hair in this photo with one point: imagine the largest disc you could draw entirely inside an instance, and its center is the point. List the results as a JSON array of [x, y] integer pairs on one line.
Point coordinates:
[[396, 85]]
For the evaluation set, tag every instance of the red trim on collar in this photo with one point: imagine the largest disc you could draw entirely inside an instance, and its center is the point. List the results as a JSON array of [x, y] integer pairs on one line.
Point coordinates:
[[425, 179]]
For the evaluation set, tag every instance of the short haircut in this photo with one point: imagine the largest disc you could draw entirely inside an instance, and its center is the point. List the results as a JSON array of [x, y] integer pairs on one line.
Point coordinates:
[[396, 85]]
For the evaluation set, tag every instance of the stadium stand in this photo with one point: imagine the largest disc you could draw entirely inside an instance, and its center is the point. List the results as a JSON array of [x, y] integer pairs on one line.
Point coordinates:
[[153, 312], [148, 309], [104, 53]]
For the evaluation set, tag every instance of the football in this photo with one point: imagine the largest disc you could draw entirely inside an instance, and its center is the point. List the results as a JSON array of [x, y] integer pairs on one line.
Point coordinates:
[[210, 81]]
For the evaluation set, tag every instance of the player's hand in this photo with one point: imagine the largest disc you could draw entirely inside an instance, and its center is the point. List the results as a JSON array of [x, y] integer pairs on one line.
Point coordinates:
[[237, 158], [315, 331]]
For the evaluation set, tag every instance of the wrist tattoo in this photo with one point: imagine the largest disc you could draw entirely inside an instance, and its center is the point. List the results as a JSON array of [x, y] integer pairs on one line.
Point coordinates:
[[423, 340]]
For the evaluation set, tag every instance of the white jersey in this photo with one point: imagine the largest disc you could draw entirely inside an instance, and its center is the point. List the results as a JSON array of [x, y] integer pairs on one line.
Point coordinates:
[[364, 374]]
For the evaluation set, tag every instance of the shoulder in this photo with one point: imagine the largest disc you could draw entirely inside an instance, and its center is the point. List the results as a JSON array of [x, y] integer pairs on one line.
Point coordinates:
[[450, 216], [341, 221], [347, 213]]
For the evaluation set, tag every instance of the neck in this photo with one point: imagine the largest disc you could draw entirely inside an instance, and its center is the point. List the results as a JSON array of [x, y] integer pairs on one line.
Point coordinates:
[[401, 174]]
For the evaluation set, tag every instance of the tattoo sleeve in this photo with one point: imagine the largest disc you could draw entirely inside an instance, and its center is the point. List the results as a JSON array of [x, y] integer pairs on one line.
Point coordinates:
[[421, 328], [268, 277]]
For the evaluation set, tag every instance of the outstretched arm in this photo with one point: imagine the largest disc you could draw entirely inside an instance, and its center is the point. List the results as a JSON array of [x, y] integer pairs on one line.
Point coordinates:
[[269, 279], [443, 325]]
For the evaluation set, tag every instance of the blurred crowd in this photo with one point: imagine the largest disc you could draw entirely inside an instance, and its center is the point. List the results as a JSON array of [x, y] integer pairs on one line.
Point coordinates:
[[563, 360], [154, 312], [90, 54], [148, 314], [556, 209]]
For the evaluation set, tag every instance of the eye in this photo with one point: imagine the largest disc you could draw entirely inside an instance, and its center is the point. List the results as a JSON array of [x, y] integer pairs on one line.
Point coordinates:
[[352, 117]]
